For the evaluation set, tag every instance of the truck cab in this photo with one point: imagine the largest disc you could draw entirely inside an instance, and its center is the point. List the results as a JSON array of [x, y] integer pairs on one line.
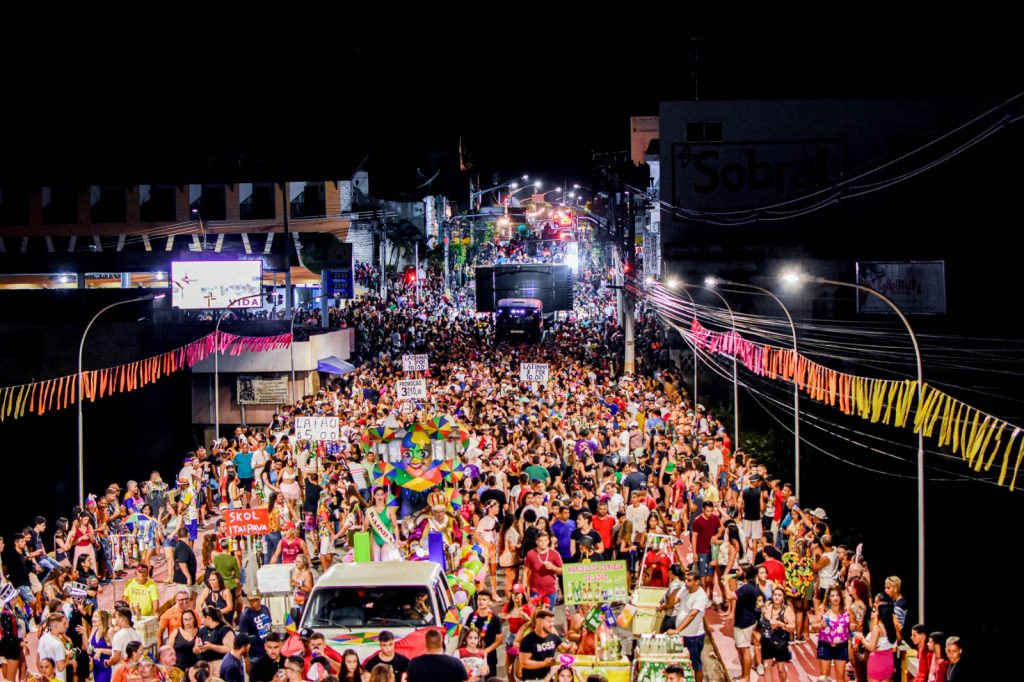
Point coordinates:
[[519, 318], [352, 603]]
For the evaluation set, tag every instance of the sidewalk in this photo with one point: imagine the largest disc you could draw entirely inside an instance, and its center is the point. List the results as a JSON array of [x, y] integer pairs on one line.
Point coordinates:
[[803, 667]]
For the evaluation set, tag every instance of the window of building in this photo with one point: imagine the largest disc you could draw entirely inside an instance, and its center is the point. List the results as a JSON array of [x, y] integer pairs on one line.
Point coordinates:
[[704, 131], [60, 205], [307, 199], [108, 204], [13, 205], [256, 201], [209, 200], [156, 203]]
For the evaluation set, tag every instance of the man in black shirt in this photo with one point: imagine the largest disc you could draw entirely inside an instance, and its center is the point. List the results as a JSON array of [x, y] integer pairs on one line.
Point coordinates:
[[529, 532], [435, 665], [487, 623], [184, 560], [576, 506], [493, 493], [747, 615], [585, 542], [265, 668], [537, 650], [751, 509], [387, 656]]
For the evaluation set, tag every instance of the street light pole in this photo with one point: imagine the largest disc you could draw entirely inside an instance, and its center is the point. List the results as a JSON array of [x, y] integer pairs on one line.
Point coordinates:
[[81, 389], [202, 228], [735, 381], [672, 284], [920, 433], [796, 388]]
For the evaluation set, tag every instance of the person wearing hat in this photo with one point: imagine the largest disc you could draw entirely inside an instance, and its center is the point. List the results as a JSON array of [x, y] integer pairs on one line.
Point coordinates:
[[255, 622], [141, 592], [438, 520], [232, 666]]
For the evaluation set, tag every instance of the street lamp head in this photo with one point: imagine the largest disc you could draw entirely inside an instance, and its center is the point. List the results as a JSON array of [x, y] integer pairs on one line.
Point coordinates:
[[649, 279], [537, 185], [710, 281], [793, 277], [575, 186], [513, 185], [672, 283], [525, 176]]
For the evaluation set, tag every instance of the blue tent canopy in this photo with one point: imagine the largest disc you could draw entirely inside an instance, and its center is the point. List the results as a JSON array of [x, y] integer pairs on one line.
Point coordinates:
[[335, 365]]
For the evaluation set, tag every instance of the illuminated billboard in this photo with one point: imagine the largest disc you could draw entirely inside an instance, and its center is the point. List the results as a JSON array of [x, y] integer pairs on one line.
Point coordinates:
[[210, 284]]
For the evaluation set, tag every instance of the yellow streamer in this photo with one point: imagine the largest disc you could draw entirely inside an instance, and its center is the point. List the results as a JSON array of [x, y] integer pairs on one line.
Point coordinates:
[[1020, 454], [979, 460], [1006, 455], [975, 442]]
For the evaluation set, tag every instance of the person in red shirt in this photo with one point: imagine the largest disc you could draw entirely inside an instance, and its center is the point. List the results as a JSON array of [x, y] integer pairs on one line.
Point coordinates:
[[703, 529], [776, 569], [919, 636], [604, 523], [543, 565], [314, 645], [779, 495], [656, 565]]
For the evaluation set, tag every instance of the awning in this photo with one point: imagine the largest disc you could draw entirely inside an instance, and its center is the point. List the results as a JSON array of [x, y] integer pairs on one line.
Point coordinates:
[[335, 365]]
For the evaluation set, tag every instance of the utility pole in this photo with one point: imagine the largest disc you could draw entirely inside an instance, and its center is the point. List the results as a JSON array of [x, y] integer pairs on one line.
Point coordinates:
[[288, 301], [629, 268], [446, 227], [383, 260]]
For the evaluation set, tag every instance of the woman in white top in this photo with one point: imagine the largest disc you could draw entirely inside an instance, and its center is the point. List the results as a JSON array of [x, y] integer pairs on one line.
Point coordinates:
[[881, 641]]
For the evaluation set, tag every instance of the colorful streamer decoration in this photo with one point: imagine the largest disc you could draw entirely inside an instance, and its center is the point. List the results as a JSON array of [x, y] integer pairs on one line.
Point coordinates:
[[979, 438], [41, 397]]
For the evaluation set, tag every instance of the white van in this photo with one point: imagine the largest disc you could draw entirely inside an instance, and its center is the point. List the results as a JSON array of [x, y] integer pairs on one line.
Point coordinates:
[[351, 603]]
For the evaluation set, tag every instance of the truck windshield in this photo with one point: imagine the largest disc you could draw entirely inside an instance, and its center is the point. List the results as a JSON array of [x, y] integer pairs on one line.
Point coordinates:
[[370, 606]]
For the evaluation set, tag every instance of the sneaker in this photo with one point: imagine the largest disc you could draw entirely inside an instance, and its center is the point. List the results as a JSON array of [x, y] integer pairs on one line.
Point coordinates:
[[759, 669]]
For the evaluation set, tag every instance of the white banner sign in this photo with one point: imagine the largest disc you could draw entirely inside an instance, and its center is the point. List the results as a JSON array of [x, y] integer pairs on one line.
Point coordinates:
[[411, 389], [415, 363], [316, 428], [262, 391], [533, 371], [916, 287]]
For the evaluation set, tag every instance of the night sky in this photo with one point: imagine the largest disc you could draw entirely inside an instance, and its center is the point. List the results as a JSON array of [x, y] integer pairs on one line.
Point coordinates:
[[529, 95]]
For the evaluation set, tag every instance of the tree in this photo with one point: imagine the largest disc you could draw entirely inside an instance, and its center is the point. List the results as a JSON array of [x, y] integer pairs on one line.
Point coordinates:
[[402, 236]]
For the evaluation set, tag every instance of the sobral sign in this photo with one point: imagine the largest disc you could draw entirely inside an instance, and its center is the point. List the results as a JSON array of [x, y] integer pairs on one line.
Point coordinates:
[[751, 174]]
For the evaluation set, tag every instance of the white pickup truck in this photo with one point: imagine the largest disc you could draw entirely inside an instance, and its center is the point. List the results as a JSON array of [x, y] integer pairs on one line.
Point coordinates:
[[352, 603]]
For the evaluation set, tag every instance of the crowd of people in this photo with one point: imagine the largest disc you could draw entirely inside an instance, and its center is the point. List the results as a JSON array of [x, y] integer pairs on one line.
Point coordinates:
[[593, 465]]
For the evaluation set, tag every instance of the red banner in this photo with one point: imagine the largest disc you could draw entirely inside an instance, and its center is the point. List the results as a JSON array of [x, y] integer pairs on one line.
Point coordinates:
[[247, 521]]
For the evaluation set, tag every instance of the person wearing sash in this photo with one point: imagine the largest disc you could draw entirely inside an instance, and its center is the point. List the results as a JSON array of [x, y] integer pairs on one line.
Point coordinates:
[[381, 522]]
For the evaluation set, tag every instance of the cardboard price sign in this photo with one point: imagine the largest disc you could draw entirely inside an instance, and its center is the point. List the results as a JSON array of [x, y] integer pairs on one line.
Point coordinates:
[[317, 428], [533, 371], [415, 363], [247, 521], [411, 389]]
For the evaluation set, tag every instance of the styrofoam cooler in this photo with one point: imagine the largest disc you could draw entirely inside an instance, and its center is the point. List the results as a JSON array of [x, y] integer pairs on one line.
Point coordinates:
[[648, 618]]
